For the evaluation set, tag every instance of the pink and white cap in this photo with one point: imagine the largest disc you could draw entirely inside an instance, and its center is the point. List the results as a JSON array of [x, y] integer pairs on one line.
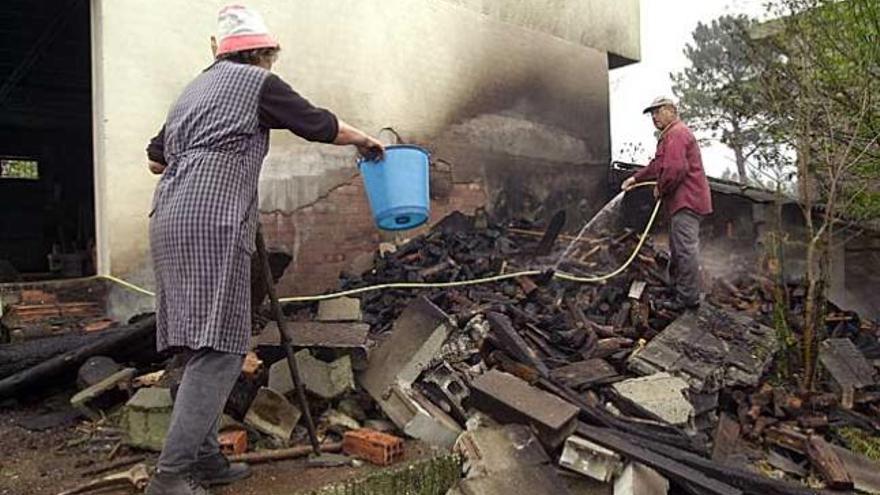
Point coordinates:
[[240, 28]]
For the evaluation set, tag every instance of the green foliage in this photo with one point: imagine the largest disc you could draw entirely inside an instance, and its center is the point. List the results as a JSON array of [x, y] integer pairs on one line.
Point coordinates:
[[19, 169], [860, 442], [716, 93]]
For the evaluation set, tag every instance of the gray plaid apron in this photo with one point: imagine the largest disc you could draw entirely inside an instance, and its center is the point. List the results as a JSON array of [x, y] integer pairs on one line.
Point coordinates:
[[204, 216]]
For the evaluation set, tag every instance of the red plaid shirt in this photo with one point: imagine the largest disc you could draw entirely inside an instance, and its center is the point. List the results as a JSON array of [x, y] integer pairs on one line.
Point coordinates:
[[678, 169]]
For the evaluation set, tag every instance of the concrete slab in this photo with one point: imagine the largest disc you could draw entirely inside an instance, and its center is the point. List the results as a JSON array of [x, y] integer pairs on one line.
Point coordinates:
[[508, 399], [340, 309], [414, 341], [83, 400], [534, 480], [660, 394], [711, 348]]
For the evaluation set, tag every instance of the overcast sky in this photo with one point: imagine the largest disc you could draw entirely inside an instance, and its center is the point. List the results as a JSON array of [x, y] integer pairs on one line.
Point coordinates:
[[666, 29]]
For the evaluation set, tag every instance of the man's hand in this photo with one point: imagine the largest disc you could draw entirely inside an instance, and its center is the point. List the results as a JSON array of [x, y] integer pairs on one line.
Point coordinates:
[[656, 192], [628, 184], [155, 167]]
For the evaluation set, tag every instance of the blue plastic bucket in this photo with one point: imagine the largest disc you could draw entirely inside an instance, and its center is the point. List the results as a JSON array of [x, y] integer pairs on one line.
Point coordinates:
[[397, 187]]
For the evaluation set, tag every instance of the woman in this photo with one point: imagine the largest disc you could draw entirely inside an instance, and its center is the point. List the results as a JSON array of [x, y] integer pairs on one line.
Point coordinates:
[[202, 232]]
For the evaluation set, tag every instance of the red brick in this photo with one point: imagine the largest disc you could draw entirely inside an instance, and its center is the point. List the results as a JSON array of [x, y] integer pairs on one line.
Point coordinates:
[[233, 442], [370, 445]]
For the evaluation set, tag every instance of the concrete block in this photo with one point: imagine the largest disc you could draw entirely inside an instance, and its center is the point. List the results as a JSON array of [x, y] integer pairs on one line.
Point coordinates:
[[591, 460], [415, 339], [638, 479], [508, 399], [272, 414], [326, 380], [85, 400], [147, 417], [340, 309], [661, 394]]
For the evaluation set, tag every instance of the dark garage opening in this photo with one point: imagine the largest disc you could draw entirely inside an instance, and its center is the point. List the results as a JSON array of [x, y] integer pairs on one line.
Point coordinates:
[[47, 218]]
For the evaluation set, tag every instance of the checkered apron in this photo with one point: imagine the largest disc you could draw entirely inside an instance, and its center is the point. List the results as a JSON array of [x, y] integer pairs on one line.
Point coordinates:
[[204, 216]]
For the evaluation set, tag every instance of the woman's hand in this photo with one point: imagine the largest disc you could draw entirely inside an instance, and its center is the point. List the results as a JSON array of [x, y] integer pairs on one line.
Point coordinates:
[[371, 148], [155, 167]]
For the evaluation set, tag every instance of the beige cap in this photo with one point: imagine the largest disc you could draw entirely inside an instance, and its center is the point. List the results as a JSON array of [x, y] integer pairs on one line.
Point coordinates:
[[660, 101]]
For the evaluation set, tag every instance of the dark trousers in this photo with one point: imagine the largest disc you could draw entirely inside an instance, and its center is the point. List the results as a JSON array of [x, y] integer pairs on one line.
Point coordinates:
[[208, 378], [684, 246]]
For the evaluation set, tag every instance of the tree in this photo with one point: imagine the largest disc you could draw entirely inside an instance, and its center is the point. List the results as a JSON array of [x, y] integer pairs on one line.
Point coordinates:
[[717, 92], [818, 75]]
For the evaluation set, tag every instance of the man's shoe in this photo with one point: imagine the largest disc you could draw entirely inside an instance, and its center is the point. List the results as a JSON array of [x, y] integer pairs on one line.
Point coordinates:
[[174, 484], [217, 470]]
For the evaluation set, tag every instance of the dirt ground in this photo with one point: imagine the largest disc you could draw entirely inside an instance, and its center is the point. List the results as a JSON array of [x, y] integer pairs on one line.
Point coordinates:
[[51, 461]]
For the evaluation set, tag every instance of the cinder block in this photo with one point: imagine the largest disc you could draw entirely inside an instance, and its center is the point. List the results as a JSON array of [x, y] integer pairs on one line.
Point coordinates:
[[272, 414], [590, 459], [340, 309], [508, 399], [147, 418]]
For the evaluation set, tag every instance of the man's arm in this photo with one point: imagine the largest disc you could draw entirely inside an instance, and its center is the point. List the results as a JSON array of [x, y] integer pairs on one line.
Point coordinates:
[[649, 172]]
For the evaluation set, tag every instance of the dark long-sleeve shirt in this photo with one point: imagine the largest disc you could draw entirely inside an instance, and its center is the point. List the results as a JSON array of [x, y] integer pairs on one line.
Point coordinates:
[[280, 107], [678, 168]]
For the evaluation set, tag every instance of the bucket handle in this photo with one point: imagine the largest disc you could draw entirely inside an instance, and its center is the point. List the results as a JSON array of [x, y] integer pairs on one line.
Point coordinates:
[[399, 140]]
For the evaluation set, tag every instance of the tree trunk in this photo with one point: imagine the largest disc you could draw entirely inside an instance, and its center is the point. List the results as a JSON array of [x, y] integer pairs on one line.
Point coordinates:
[[736, 144]]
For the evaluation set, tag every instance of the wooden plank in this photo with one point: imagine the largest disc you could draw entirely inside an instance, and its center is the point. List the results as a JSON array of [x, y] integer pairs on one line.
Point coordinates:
[[665, 466], [847, 366], [864, 472], [747, 481], [828, 464], [726, 439], [585, 373]]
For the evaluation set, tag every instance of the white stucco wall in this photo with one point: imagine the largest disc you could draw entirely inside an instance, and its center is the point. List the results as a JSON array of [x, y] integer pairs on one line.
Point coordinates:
[[457, 75]]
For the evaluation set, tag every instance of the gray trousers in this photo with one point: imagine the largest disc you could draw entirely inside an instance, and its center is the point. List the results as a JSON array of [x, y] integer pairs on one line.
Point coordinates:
[[684, 246], [208, 378]]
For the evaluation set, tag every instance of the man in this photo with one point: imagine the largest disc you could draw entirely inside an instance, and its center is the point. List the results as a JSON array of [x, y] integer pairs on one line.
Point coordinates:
[[682, 185], [202, 232]]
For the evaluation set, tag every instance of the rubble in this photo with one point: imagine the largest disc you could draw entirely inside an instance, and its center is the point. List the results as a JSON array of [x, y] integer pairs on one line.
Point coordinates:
[[711, 349], [542, 385]]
